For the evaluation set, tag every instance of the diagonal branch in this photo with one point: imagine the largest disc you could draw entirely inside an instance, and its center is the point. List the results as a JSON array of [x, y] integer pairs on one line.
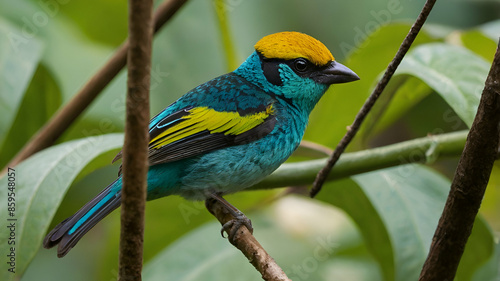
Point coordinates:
[[61, 121], [391, 68], [135, 147], [469, 184], [249, 246]]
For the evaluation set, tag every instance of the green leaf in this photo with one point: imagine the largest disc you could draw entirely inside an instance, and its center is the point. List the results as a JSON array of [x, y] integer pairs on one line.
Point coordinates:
[[491, 29], [71, 58], [18, 62], [308, 239], [455, 73], [67, 53], [344, 100], [347, 195], [41, 182], [397, 211], [480, 250], [111, 14], [41, 100], [479, 43], [490, 271], [199, 255], [490, 206], [402, 93]]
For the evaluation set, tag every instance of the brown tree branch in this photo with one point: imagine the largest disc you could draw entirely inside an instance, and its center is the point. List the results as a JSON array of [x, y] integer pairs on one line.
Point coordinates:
[[248, 245], [61, 121], [469, 184], [135, 148], [367, 106]]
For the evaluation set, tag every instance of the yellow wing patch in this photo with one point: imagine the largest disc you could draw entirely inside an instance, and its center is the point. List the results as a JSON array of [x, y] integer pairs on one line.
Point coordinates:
[[292, 45], [203, 118]]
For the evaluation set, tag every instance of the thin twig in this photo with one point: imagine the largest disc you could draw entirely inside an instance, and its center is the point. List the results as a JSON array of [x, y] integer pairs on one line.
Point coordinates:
[[391, 68], [61, 121], [249, 246], [135, 148], [469, 184]]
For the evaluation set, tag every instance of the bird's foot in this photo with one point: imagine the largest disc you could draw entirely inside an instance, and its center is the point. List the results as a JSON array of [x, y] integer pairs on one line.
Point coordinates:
[[239, 219], [231, 227]]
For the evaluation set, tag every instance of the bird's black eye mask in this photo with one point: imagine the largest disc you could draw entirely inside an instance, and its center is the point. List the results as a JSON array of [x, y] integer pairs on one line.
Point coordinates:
[[301, 66]]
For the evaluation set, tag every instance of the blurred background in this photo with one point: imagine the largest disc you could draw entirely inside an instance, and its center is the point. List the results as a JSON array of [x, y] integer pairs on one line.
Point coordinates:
[[66, 41]]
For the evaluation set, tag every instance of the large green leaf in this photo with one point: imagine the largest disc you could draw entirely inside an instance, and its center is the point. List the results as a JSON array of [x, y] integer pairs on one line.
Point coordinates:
[[479, 43], [309, 240], [19, 58], [200, 255], [455, 73], [480, 250], [41, 100], [490, 271], [112, 15], [402, 93], [339, 105], [491, 29], [41, 182], [71, 58], [397, 210], [490, 206], [67, 53], [347, 195], [482, 40]]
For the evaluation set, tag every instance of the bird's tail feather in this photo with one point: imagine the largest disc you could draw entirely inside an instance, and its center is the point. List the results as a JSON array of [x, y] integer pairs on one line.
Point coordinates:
[[67, 233]]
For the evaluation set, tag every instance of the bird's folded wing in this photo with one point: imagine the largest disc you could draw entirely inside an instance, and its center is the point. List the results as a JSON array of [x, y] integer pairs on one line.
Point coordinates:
[[196, 130]]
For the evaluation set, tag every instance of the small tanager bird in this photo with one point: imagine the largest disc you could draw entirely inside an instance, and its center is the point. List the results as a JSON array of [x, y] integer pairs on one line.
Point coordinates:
[[226, 134]]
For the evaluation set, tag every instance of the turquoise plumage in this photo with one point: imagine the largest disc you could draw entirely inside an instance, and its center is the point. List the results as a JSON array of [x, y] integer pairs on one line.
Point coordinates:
[[228, 133]]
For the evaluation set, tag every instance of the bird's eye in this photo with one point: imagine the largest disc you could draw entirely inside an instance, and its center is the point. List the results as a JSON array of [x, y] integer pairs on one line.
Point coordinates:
[[301, 65]]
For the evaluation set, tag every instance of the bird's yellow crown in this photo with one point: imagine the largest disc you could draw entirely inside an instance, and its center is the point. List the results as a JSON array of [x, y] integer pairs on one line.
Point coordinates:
[[292, 45]]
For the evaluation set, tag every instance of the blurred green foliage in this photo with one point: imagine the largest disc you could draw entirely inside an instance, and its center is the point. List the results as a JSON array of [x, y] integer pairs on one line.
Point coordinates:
[[375, 226]]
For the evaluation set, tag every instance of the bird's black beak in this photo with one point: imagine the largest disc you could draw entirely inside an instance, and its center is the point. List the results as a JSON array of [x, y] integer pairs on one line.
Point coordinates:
[[335, 73]]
